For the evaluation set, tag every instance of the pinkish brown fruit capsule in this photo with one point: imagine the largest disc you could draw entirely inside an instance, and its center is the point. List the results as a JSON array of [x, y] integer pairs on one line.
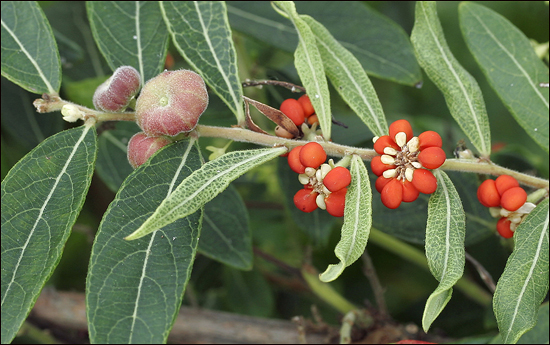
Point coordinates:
[[115, 93], [171, 103], [141, 148]]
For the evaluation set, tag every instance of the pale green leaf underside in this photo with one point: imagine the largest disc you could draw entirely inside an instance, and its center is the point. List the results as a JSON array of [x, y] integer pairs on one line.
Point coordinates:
[[349, 79], [41, 198], [524, 282], [357, 221], [462, 93], [203, 185], [445, 232], [201, 33], [130, 33], [510, 64], [29, 53], [134, 289]]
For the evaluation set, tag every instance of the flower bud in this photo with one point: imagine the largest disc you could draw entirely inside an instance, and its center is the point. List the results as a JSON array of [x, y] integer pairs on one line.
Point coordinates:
[[171, 103], [141, 147], [115, 93]]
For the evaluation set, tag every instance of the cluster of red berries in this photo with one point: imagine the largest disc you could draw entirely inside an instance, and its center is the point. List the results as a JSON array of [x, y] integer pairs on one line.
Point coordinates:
[[325, 185], [299, 111], [507, 200], [403, 163]]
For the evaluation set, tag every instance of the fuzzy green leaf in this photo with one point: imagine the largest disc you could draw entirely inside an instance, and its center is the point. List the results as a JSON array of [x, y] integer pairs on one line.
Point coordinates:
[[201, 33], [29, 53], [203, 185], [445, 233], [357, 221], [130, 33], [461, 91], [41, 198], [134, 289], [524, 282], [509, 62]]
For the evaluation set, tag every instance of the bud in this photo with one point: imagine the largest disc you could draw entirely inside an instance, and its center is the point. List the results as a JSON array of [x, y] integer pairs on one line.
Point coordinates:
[[141, 147], [115, 93], [171, 103]]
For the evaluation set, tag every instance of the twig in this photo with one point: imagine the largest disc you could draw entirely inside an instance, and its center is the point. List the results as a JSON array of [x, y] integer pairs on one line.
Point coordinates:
[[370, 273]]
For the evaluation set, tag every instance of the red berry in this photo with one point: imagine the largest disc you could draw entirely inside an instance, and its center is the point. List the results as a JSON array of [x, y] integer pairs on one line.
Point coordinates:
[[513, 198], [304, 199], [115, 93], [312, 120], [392, 194], [294, 160], [432, 157], [487, 194], [336, 202], [410, 193], [429, 139], [424, 181], [505, 182], [383, 142], [141, 147], [401, 126], [306, 105], [293, 109], [378, 167], [337, 178], [312, 155], [503, 228], [381, 182]]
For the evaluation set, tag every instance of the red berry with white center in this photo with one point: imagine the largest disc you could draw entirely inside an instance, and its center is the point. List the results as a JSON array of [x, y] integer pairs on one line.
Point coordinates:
[[305, 200], [115, 93], [487, 194], [505, 182], [503, 228], [401, 126], [312, 155], [410, 193], [383, 142], [392, 194], [378, 167], [305, 102], [424, 181], [431, 157], [293, 109], [337, 178], [513, 198], [336, 202], [294, 160], [429, 139], [141, 148]]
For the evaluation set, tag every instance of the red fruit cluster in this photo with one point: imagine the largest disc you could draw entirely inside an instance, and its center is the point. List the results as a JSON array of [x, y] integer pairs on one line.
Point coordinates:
[[507, 200], [403, 163], [299, 111], [325, 185]]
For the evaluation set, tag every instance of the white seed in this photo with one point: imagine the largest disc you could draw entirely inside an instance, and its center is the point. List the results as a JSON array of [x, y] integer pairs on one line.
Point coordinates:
[[513, 226], [389, 173], [303, 178], [319, 175], [401, 139], [390, 151], [374, 139], [320, 200], [413, 144], [326, 191], [504, 212], [310, 171], [386, 159], [325, 169], [409, 174], [495, 212], [515, 219], [526, 208], [417, 165], [331, 163]]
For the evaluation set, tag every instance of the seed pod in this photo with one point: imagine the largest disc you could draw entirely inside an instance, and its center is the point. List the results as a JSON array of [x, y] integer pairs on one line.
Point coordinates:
[[115, 93], [141, 147]]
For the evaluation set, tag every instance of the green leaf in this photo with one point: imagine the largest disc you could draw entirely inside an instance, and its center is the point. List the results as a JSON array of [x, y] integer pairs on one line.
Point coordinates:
[[248, 293], [201, 33], [349, 79], [225, 233], [41, 197], [524, 282], [134, 289], [538, 334], [511, 65], [130, 33], [444, 245], [29, 53], [203, 185], [309, 65], [357, 221], [462, 93]]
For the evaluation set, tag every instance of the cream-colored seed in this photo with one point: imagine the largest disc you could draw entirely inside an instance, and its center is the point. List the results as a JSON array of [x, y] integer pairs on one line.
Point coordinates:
[[494, 211], [320, 200], [413, 144], [325, 169], [417, 165], [504, 212], [303, 178], [409, 174], [310, 171], [401, 139], [389, 173], [386, 159], [374, 139], [326, 191], [318, 175], [390, 151]]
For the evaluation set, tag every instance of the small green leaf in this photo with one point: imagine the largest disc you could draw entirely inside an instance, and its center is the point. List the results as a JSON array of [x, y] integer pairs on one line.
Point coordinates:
[[349, 79], [201, 33], [357, 221], [444, 245], [134, 289], [511, 65], [309, 65], [29, 53], [225, 235], [130, 33], [41, 197], [524, 283], [461, 91], [203, 185]]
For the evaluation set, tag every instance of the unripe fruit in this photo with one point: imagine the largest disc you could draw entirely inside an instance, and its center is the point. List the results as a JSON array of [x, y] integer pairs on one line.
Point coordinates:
[[294, 160], [503, 228], [115, 93], [141, 147], [429, 139], [487, 194], [312, 155], [293, 109], [424, 181], [304, 200], [432, 157], [505, 182], [392, 194], [513, 198], [312, 120], [401, 126], [171, 103], [336, 203], [383, 142], [337, 178], [305, 102]]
